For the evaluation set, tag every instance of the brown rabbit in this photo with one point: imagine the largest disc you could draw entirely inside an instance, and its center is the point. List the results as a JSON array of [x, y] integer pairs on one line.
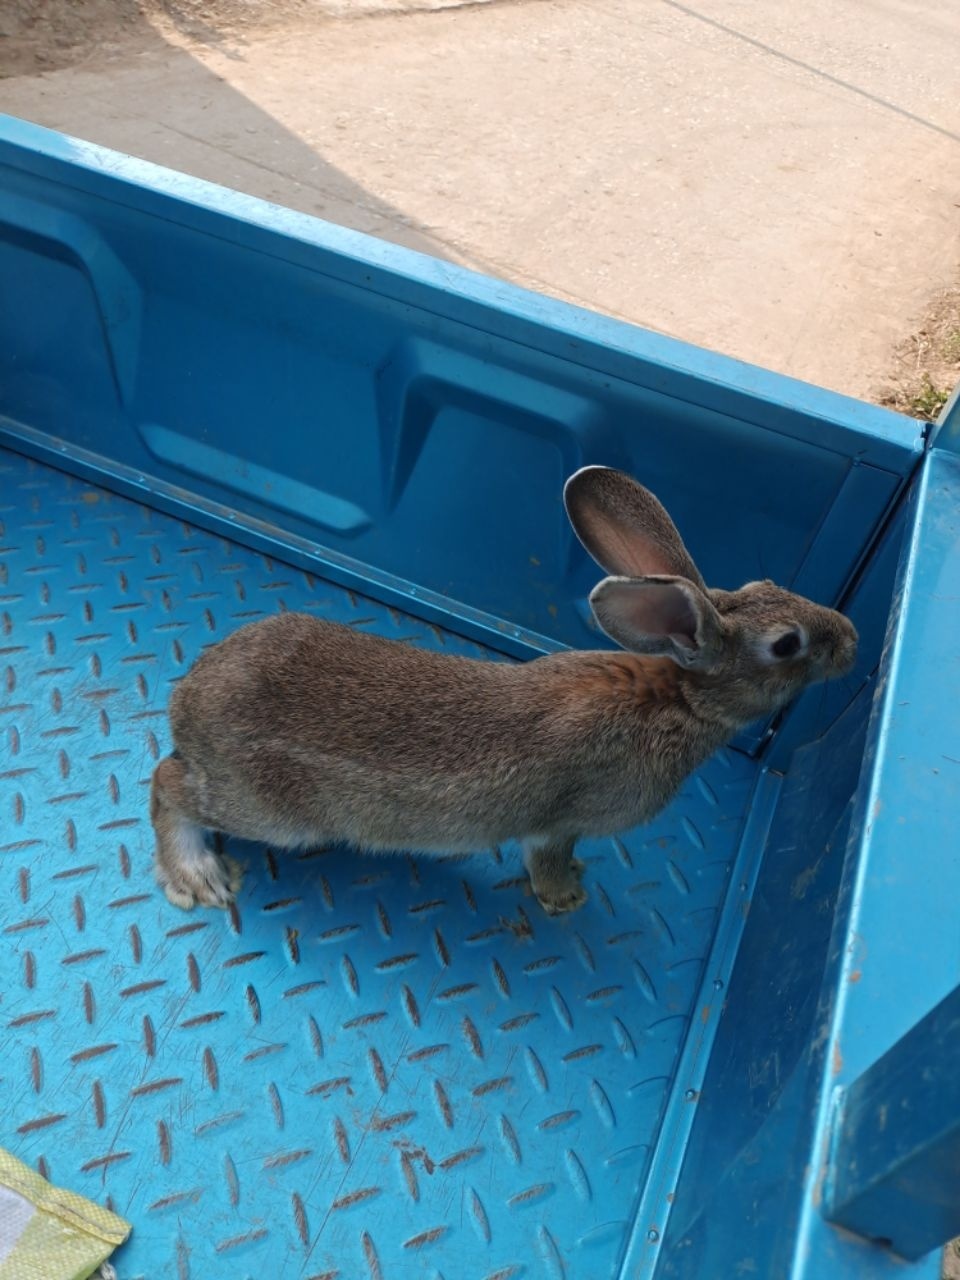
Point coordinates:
[[298, 732]]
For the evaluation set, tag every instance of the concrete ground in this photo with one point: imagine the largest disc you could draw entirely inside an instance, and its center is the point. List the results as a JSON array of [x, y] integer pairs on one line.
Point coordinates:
[[779, 182]]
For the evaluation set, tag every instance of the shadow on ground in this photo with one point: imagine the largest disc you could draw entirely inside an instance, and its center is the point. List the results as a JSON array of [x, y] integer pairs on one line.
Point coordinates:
[[40, 37]]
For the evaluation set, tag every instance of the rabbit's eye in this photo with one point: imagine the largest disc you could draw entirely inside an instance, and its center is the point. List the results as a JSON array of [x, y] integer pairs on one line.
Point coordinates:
[[788, 645]]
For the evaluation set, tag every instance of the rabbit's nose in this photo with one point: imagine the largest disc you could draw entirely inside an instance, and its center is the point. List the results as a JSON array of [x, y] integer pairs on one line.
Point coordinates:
[[845, 652]]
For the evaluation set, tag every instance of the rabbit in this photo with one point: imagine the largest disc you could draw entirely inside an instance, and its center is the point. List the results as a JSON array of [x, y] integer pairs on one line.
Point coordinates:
[[298, 732]]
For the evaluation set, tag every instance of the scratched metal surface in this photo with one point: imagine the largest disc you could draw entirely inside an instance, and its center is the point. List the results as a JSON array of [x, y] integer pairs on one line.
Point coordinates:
[[371, 1068]]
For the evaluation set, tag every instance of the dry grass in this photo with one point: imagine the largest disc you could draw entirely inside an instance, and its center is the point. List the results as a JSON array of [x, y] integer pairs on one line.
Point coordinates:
[[926, 365]]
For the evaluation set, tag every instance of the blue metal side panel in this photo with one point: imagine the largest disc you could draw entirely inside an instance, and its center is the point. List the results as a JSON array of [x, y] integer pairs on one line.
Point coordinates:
[[739, 1196], [904, 939], [355, 400], [369, 1068], [900, 947], [842, 953], [750, 1194]]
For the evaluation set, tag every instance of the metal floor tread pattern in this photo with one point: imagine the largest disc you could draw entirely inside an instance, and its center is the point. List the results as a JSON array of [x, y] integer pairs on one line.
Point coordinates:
[[370, 1068]]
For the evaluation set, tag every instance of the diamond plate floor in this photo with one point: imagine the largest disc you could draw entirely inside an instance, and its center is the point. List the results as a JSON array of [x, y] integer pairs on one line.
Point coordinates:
[[370, 1069]]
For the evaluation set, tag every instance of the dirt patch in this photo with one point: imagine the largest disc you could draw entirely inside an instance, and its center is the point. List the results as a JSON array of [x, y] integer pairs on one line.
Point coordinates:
[[48, 35], [926, 365]]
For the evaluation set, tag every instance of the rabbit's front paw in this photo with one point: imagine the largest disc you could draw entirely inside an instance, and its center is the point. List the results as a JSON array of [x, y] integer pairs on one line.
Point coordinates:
[[208, 881], [563, 892]]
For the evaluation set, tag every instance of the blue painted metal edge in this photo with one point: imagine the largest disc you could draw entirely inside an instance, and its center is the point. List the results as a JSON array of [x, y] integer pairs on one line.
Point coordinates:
[[642, 1250], [666, 364], [474, 624], [896, 1141]]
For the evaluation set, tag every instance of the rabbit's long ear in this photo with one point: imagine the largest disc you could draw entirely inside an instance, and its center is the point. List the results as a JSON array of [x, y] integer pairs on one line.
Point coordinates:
[[664, 617], [624, 527]]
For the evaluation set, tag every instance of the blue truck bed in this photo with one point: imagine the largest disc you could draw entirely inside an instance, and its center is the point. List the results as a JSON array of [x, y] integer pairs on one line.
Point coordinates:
[[212, 409]]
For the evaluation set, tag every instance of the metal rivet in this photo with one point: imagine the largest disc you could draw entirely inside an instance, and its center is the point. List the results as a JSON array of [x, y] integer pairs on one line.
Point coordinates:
[[653, 1235], [718, 984]]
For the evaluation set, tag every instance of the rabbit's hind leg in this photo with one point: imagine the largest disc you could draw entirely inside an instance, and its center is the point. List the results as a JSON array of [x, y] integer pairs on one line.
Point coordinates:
[[186, 869]]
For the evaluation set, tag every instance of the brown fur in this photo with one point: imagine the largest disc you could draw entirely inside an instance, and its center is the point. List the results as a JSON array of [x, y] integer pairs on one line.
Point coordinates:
[[298, 732]]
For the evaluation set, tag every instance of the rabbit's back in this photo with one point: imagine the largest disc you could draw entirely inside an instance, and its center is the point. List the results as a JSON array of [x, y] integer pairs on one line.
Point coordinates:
[[296, 729], [324, 686]]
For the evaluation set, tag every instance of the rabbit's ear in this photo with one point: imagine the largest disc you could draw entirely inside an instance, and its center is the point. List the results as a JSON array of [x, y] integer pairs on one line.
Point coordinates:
[[663, 617], [624, 527]]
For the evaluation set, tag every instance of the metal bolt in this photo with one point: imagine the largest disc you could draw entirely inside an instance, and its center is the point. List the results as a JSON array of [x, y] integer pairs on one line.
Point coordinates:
[[653, 1235]]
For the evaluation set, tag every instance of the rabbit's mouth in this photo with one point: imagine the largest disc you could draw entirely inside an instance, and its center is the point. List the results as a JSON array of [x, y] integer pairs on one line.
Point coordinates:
[[843, 658]]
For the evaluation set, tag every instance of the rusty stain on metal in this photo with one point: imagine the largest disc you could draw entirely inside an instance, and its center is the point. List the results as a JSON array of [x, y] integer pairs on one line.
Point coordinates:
[[41, 1122], [531, 1193], [155, 1086], [355, 1197], [460, 1157], [384, 1124], [492, 1086], [329, 1086], [378, 1069], [424, 1238]]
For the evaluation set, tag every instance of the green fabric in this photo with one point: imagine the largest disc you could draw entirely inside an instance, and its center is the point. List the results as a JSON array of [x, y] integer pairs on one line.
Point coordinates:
[[67, 1238]]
